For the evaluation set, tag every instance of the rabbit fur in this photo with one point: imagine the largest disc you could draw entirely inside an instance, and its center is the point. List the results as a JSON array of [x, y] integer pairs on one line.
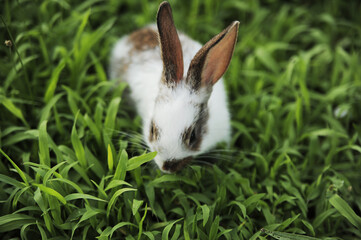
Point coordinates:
[[184, 113]]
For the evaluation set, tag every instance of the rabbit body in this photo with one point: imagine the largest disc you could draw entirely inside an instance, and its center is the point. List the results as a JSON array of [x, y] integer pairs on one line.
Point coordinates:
[[179, 119]]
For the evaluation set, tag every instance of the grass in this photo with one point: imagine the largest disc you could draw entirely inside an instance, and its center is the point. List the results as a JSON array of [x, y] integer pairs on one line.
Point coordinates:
[[71, 161]]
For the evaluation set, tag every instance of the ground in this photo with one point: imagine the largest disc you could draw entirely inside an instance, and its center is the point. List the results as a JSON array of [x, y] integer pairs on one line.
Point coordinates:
[[72, 163]]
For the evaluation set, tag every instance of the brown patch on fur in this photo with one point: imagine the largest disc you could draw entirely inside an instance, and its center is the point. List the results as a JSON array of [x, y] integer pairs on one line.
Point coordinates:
[[175, 165], [144, 39], [192, 137], [154, 132], [141, 40]]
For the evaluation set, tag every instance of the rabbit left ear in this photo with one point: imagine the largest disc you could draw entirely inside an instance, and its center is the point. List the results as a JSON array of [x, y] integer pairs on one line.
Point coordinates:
[[212, 60], [170, 45]]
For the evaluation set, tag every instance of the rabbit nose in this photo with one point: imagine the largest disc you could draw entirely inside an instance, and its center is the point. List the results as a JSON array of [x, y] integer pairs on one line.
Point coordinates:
[[175, 165]]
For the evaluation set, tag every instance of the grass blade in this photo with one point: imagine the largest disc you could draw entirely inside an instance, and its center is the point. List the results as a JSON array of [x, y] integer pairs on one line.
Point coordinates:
[[205, 212], [112, 111], [14, 221], [44, 154], [115, 196], [54, 80], [78, 146], [136, 205], [167, 229], [135, 162], [51, 192], [18, 170], [110, 159], [121, 169], [286, 236], [116, 183], [9, 105], [345, 210], [75, 196]]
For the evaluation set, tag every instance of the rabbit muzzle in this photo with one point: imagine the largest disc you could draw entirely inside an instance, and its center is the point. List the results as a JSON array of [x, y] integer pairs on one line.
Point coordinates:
[[175, 165]]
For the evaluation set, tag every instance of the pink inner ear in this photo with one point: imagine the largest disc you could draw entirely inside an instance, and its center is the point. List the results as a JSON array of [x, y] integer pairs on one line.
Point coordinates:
[[219, 57]]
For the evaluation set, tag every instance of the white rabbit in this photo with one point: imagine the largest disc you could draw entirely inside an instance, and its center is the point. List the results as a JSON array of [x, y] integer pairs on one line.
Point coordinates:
[[184, 113]]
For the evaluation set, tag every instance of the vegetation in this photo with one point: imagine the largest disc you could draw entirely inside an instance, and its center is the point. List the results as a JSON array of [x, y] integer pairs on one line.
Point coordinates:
[[70, 141]]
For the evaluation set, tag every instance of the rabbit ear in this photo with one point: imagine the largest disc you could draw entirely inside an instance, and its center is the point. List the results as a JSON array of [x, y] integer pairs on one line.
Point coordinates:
[[212, 60], [171, 48]]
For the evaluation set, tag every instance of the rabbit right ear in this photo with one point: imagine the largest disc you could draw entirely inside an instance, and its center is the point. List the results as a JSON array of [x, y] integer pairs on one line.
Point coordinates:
[[170, 45], [212, 60]]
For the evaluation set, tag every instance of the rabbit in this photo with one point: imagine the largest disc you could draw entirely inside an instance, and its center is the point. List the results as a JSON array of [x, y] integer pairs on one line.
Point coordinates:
[[184, 114]]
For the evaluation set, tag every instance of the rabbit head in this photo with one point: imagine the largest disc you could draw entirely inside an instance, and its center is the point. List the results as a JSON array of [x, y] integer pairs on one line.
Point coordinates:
[[178, 127]]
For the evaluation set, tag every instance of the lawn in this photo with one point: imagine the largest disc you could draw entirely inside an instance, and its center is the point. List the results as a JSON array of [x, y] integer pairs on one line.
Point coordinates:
[[72, 161]]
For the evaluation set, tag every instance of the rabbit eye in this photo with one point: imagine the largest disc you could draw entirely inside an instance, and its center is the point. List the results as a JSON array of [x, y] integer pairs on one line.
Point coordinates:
[[153, 135], [193, 137], [151, 129]]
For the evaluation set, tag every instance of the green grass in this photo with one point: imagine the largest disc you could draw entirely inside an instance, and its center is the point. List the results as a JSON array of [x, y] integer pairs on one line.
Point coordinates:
[[70, 148]]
